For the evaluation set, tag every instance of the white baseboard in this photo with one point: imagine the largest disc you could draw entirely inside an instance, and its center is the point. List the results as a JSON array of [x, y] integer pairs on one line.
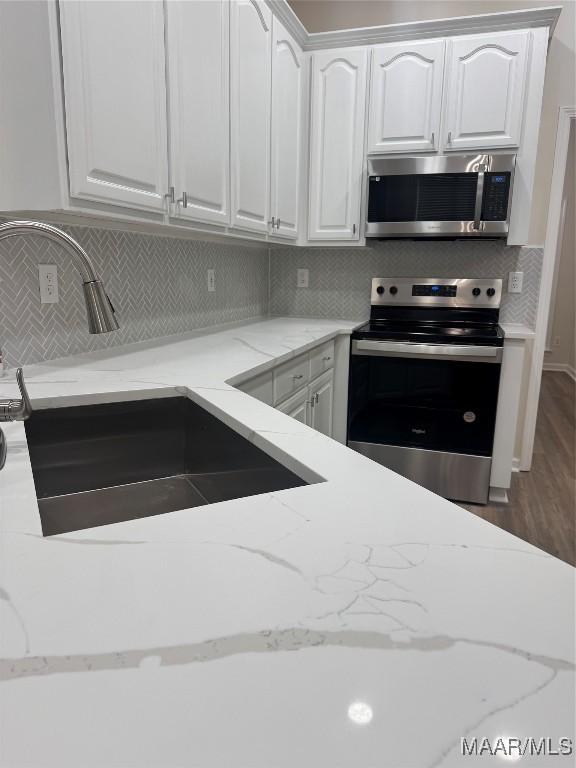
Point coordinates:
[[498, 495], [562, 367]]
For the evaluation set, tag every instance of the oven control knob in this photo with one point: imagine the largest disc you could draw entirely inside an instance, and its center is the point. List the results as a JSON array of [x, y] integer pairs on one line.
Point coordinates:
[[380, 289], [491, 291], [393, 290], [475, 291]]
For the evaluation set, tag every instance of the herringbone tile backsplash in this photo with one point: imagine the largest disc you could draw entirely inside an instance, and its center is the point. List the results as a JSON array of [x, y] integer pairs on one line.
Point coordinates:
[[157, 285], [340, 277]]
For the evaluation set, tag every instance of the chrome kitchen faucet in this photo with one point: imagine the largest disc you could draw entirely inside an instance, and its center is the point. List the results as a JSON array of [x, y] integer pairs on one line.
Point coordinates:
[[99, 309]]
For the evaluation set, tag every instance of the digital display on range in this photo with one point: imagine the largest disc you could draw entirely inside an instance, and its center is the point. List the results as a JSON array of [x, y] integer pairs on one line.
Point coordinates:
[[434, 290]]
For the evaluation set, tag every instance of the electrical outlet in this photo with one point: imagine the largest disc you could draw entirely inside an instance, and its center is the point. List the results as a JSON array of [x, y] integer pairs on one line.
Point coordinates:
[[211, 280], [556, 341], [302, 278], [515, 280], [48, 277]]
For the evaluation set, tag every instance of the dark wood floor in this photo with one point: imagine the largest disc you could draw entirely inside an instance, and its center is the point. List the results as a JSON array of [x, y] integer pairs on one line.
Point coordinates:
[[542, 508]]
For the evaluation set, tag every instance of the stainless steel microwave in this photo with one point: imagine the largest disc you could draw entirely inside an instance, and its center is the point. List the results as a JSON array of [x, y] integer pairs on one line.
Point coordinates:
[[441, 196]]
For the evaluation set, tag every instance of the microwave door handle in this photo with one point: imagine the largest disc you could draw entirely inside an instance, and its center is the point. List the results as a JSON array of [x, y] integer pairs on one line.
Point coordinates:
[[479, 196]]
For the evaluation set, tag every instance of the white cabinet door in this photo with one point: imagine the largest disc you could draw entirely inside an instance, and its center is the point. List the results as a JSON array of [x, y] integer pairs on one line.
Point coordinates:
[[322, 399], [199, 107], [336, 143], [115, 90], [297, 406], [406, 96], [287, 84], [250, 66], [485, 90]]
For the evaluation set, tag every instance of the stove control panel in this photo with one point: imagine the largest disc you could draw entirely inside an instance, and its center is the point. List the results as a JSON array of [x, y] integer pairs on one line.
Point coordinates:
[[437, 291]]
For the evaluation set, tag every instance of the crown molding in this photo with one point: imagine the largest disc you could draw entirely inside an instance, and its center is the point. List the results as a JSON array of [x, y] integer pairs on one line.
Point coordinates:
[[414, 30], [284, 13]]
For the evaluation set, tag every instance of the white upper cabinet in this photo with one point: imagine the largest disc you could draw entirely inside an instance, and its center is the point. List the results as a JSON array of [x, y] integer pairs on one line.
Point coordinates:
[[406, 96], [250, 51], [336, 143], [287, 119], [115, 92], [485, 90], [199, 107]]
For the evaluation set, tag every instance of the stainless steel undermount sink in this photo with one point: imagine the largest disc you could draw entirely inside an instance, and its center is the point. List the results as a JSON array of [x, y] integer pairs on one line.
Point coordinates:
[[100, 464]]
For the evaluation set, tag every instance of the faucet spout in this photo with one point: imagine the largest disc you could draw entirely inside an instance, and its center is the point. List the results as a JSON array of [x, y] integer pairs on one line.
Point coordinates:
[[99, 309]]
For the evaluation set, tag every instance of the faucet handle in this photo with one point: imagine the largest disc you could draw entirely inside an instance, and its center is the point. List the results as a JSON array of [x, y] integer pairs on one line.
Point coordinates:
[[17, 410]]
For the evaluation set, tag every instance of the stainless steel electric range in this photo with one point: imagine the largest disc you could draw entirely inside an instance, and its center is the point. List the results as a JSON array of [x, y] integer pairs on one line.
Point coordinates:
[[424, 378]]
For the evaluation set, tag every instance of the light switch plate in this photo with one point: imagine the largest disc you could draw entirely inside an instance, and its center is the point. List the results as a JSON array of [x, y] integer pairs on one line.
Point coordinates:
[[515, 281], [211, 280], [48, 277], [302, 278]]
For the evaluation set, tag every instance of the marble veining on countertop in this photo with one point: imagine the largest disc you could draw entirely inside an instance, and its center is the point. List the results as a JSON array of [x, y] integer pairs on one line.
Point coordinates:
[[358, 622]]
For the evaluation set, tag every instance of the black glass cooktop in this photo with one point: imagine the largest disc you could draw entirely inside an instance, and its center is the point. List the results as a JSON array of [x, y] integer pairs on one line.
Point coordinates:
[[432, 332]]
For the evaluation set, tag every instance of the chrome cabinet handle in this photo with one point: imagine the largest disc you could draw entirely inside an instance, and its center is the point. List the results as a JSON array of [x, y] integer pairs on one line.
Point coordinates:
[[316, 398], [183, 201], [353, 229], [449, 137], [277, 223], [170, 195], [433, 139], [326, 359], [298, 376], [272, 222]]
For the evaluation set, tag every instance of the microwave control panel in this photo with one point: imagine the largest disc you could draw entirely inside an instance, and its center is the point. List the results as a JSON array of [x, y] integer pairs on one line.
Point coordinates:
[[495, 196]]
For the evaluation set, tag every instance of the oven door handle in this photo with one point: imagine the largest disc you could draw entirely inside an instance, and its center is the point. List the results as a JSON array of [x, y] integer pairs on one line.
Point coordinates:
[[462, 352]]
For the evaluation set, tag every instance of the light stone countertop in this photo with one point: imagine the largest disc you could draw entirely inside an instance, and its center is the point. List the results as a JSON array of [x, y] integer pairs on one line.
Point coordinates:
[[251, 633]]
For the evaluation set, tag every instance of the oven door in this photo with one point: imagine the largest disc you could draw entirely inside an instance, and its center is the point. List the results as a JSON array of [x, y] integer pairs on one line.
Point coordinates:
[[459, 195], [427, 411]]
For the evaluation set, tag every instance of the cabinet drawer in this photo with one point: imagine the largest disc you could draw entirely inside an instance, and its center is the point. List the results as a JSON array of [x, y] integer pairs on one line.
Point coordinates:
[[259, 387], [321, 359], [290, 377]]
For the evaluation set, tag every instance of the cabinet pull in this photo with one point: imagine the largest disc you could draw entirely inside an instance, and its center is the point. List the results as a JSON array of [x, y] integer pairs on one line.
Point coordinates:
[[433, 139], [272, 222], [277, 223], [183, 201], [449, 137], [316, 398], [170, 195], [353, 229], [326, 359], [297, 376]]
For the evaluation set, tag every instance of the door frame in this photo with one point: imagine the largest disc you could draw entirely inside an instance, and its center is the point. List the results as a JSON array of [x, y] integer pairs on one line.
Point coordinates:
[[566, 117]]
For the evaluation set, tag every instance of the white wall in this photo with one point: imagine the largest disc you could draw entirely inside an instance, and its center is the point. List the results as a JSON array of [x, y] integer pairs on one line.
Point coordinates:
[[562, 313], [559, 89]]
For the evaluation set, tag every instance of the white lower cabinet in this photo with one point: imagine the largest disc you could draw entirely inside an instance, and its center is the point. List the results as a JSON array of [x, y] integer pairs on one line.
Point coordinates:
[[297, 406], [302, 387], [259, 387], [322, 402], [313, 405]]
